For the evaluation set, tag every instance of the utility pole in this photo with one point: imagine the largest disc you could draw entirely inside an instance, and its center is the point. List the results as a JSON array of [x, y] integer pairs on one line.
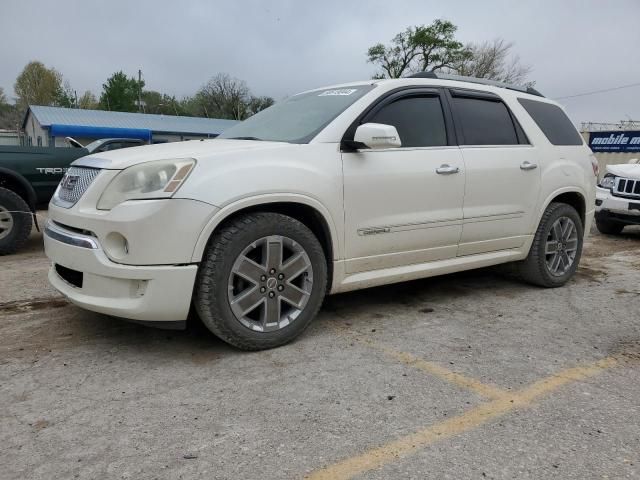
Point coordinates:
[[140, 90]]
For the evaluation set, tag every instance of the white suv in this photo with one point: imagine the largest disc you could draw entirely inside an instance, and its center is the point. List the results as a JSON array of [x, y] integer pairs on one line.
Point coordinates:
[[618, 198], [331, 190]]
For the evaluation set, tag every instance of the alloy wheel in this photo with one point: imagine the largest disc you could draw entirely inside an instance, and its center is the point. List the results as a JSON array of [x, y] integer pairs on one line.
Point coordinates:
[[561, 246], [270, 283]]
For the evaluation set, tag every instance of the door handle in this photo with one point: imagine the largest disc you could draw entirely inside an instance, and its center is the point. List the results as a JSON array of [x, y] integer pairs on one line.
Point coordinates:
[[447, 169], [527, 165]]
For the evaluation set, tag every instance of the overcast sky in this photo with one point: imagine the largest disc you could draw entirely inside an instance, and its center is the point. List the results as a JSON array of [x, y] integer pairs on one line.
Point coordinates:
[[280, 47]]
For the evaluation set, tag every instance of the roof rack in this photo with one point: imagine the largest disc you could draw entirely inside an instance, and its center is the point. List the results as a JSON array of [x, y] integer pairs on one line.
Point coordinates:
[[483, 81]]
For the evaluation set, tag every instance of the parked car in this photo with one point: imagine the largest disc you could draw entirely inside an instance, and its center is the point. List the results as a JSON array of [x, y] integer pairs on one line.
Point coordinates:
[[331, 190], [28, 178], [618, 198]]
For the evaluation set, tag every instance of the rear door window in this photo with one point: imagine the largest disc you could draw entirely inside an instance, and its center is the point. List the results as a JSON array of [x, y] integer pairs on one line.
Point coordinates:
[[553, 122], [484, 122]]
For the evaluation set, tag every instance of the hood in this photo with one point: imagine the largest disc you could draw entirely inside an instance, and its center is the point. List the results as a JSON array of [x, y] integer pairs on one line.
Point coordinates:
[[628, 170], [198, 149]]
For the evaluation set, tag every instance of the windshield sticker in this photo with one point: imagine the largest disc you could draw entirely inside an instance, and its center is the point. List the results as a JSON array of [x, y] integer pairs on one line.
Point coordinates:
[[342, 91]]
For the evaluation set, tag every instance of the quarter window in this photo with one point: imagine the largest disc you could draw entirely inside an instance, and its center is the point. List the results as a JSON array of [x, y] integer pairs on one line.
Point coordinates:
[[419, 120], [553, 122], [484, 122]]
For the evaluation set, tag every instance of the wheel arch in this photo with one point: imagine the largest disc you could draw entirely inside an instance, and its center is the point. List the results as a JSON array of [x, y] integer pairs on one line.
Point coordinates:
[[307, 210], [19, 185], [573, 196]]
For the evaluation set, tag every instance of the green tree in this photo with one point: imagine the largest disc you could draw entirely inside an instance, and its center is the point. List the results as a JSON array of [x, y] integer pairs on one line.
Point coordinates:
[[3, 98], [38, 85], [258, 103], [120, 93], [161, 103], [417, 49], [88, 101], [66, 96]]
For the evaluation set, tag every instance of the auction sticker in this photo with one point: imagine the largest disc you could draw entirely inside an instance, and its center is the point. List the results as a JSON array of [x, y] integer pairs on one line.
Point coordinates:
[[342, 91]]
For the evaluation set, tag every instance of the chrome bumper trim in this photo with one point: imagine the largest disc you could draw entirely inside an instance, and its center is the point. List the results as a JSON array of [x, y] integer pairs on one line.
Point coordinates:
[[56, 232]]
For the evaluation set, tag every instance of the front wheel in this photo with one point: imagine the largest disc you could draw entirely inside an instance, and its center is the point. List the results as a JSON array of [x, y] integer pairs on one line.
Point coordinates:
[[557, 247], [15, 221], [261, 282]]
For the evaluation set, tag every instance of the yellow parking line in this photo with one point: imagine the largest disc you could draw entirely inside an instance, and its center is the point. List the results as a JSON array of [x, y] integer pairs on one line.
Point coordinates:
[[402, 447], [488, 391], [480, 388]]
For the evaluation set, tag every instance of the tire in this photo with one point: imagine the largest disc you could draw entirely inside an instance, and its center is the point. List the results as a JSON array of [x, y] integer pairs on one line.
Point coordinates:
[[15, 222], [538, 267], [227, 283], [609, 227]]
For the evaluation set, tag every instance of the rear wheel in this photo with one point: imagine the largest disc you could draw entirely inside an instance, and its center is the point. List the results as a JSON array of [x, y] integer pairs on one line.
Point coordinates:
[[609, 227], [15, 221], [556, 249], [261, 282]]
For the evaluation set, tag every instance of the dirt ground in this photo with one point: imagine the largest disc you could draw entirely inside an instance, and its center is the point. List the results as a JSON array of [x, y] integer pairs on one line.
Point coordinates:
[[472, 375]]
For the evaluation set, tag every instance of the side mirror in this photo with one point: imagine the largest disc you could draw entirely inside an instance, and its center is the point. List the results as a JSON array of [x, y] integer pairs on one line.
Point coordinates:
[[377, 135]]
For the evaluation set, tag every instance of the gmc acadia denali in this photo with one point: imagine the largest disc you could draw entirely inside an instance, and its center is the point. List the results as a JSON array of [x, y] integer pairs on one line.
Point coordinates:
[[331, 190]]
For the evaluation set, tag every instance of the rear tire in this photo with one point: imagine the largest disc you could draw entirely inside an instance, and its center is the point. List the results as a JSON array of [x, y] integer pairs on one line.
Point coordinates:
[[253, 268], [15, 222], [609, 227], [556, 249]]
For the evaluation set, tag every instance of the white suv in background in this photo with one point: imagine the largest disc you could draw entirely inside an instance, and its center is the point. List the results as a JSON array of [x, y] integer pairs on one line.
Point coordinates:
[[618, 198], [331, 190]]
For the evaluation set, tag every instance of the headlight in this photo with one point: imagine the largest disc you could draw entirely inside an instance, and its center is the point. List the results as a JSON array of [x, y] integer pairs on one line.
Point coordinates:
[[158, 179], [608, 181]]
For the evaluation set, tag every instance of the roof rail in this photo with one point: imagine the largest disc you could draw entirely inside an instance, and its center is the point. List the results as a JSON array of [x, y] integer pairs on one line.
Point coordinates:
[[483, 81]]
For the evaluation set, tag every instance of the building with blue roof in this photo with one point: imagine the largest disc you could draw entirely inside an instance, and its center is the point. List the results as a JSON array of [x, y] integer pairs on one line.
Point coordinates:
[[48, 126]]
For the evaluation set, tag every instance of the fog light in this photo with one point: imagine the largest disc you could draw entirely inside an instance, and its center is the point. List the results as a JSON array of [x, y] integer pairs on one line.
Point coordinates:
[[116, 245]]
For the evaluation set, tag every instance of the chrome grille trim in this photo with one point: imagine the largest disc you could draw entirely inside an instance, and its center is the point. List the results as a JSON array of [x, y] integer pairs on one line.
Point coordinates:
[[626, 187], [73, 185], [61, 234]]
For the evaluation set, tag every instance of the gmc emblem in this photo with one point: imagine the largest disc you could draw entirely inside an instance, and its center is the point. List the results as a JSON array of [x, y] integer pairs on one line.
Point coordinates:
[[69, 182]]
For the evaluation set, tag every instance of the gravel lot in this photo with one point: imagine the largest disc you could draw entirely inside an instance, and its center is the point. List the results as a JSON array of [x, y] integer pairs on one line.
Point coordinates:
[[471, 375]]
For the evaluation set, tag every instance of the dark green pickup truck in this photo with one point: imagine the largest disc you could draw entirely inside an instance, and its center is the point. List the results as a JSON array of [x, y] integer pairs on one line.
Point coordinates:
[[29, 177]]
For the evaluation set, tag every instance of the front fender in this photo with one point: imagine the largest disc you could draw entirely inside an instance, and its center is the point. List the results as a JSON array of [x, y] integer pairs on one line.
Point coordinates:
[[23, 183], [259, 200]]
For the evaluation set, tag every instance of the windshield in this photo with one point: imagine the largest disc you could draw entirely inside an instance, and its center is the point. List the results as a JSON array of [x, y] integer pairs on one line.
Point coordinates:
[[299, 118], [94, 145]]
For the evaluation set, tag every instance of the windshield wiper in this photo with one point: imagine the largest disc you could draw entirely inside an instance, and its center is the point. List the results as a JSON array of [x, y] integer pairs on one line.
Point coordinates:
[[244, 138]]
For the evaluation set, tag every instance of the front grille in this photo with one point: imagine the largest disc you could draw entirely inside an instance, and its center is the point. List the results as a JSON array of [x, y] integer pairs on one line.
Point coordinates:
[[74, 184], [627, 187]]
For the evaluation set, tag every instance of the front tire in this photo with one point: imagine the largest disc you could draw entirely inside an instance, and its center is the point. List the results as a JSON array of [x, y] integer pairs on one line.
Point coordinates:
[[261, 281], [609, 227], [556, 249], [15, 222]]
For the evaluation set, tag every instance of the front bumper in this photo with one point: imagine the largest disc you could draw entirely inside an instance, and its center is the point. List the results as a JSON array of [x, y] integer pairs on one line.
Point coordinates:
[[144, 293], [620, 209]]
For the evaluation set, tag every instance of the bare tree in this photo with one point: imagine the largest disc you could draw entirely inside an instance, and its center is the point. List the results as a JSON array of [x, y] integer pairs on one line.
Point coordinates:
[[493, 60], [224, 96], [88, 101]]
